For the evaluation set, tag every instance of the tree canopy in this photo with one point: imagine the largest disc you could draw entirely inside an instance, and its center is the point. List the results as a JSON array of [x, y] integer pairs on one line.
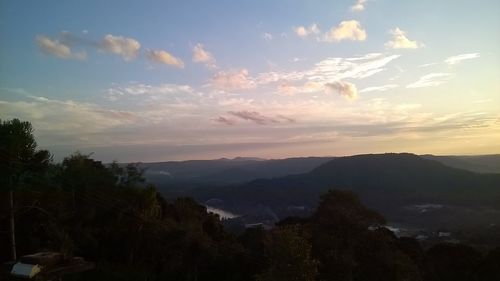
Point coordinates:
[[108, 214]]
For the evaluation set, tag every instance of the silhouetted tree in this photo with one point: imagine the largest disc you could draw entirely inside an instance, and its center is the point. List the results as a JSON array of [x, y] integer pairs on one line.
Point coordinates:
[[19, 161], [289, 256], [449, 261]]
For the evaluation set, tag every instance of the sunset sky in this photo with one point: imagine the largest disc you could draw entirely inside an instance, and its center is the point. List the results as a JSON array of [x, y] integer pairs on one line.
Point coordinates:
[[165, 80]]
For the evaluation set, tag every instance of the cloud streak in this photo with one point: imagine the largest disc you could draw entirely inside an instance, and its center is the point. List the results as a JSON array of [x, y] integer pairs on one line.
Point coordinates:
[[152, 92], [287, 88], [459, 58], [255, 117], [332, 69], [382, 88], [224, 120], [164, 57], [431, 80]]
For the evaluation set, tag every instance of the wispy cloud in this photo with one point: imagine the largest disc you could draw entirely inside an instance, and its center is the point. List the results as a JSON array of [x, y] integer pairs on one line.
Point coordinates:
[[427, 64], [346, 30], [153, 92], [253, 116], [201, 55], [296, 59], [258, 118], [62, 117], [232, 80], [267, 36], [400, 41], [126, 47], [483, 101], [174, 125], [224, 120], [55, 47], [382, 88], [303, 31], [431, 80], [164, 57], [333, 69], [288, 88], [358, 6], [459, 58]]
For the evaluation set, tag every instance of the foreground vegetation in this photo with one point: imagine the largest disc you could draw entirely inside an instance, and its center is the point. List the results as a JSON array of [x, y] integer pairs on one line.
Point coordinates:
[[109, 215]]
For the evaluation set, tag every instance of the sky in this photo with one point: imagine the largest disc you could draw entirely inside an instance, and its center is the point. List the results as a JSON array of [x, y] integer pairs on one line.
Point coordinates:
[[163, 80]]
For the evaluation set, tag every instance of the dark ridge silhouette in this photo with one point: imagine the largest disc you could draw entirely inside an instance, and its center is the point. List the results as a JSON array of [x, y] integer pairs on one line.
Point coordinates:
[[390, 183]]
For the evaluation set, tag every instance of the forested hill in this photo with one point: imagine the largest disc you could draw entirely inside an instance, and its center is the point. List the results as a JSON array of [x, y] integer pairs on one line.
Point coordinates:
[[228, 171], [387, 182], [409, 177], [245, 169], [475, 163]]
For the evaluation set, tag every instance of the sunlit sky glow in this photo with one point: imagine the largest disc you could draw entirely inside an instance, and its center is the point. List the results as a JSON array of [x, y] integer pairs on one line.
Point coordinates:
[[153, 80]]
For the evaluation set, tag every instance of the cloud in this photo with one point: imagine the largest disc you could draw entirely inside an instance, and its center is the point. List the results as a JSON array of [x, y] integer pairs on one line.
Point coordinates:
[[400, 41], [382, 88], [253, 116], [153, 92], [232, 80], [127, 48], [427, 64], [431, 80], [57, 48], [345, 89], [332, 69], [164, 57], [200, 55], [286, 119], [346, 30], [303, 31], [146, 131], [296, 59], [359, 5], [224, 120], [459, 58], [258, 118], [308, 87], [267, 36], [63, 118]]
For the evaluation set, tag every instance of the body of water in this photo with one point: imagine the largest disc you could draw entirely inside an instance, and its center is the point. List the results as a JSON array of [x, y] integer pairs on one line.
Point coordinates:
[[223, 214]]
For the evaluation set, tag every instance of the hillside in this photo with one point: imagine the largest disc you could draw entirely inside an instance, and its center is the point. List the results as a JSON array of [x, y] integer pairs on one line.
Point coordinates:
[[228, 171], [474, 163], [394, 184]]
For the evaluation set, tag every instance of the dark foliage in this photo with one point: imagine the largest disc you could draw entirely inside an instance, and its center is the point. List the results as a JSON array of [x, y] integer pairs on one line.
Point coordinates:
[[109, 215]]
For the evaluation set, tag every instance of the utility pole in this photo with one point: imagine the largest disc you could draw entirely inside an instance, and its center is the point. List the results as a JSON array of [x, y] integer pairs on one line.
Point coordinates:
[[12, 226]]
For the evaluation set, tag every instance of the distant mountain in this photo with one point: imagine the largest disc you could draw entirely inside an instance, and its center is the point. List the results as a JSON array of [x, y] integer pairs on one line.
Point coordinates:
[[243, 169], [476, 163], [408, 177], [398, 185], [228, 171]]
